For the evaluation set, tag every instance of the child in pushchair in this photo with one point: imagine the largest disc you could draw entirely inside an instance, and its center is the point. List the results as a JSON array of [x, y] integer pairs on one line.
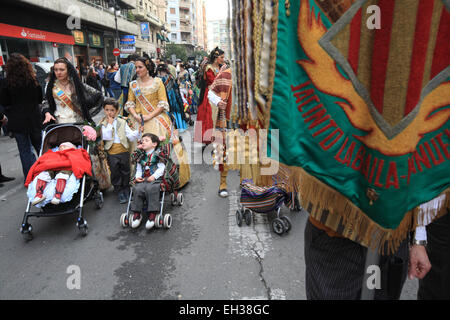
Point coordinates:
[[155, 173], [58, 165], [62, 155]]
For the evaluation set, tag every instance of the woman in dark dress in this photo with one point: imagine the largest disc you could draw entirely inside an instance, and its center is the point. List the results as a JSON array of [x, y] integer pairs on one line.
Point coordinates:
[[21, 96]]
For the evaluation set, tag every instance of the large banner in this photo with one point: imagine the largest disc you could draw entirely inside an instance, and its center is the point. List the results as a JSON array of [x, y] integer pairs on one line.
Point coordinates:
[[361, 98]]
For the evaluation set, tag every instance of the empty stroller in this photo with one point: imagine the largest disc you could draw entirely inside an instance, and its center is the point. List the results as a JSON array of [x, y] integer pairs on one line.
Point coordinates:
[[170, 183], [264, 200], [53, 136]]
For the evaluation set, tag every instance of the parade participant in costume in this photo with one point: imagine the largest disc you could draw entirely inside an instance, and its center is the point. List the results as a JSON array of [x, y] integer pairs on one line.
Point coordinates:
[[204, 123], [185, 83], [21, 95], [68, 100], [148, 98], [58, 165], [117, 136], [221, 99], [363, 121], [174, 97]]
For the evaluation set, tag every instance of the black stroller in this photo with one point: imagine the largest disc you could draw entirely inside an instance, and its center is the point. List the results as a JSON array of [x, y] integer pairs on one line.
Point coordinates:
[[53, 136]]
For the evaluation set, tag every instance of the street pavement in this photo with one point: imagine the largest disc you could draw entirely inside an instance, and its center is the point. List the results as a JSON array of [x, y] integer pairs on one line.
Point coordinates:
[[204, 256]]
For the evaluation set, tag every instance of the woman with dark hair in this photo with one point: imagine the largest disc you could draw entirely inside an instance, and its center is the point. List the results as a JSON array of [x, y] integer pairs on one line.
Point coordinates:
[[68, 100], [93, 79], [174, 97], [204, 123], [21, 95]]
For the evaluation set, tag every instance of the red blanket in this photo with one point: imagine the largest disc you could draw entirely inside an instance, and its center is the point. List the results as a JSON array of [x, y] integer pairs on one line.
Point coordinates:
[[75, 160]]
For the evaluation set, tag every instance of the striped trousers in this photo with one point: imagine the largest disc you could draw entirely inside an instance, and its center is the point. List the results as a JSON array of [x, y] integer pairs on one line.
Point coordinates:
[[335, 268]]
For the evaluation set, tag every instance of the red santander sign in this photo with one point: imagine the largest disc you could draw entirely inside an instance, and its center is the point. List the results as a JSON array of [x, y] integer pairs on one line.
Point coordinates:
[[8, 30]]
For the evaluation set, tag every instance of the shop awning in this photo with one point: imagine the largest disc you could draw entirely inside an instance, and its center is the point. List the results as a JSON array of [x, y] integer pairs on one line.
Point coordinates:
[[8, 30]]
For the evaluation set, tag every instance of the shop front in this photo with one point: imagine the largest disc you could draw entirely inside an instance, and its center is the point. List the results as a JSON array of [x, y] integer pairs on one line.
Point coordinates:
[[36, 45]]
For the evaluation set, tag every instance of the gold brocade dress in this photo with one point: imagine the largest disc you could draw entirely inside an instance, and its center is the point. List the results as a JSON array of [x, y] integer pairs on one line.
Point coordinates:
[[156, 95]]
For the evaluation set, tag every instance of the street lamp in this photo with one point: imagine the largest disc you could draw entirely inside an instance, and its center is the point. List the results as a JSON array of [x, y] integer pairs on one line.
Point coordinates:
[[113, 7]]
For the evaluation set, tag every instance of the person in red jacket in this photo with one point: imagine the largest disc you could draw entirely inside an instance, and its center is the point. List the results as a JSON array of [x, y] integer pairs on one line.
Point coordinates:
[[58, 165]]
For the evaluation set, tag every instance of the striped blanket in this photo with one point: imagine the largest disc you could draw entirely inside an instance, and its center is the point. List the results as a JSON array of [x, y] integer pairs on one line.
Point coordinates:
[[263, 199]]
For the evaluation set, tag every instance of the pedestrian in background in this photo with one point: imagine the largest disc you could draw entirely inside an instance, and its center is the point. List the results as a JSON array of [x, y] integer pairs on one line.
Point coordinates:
[[21, 95], [126, 74], [93, 79], [114, 89], [3, 122]]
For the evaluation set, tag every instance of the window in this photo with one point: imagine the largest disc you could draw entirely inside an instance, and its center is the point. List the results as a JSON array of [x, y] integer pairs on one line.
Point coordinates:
[[172, 11]]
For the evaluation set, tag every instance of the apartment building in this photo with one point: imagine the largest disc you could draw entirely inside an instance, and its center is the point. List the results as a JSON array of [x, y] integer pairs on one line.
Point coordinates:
[[151, 16], [80, 29], [219, 36]]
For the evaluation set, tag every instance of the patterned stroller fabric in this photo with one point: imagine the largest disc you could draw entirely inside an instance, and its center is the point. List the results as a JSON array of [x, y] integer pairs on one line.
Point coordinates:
[[263, 199], [171, 177]]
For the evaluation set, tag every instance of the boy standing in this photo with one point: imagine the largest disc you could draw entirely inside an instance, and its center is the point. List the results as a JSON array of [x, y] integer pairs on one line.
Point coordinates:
[[149, 171], [117, 136]]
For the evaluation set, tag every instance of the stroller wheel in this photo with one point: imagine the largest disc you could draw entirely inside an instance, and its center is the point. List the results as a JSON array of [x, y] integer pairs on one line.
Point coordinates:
[[167, 221], [278, 226], [124, 220], [27, 233], [83, 228], [287, 223], [248, 216], [180, 199], [173, 199], [159, 221], [239, 218]]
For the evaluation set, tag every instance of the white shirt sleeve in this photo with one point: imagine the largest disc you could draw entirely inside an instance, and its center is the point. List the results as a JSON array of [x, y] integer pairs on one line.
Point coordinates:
[[107, 132], [421, 233], [131, 135], [160, 171], [117, 77], [213, 98], [138, 171]]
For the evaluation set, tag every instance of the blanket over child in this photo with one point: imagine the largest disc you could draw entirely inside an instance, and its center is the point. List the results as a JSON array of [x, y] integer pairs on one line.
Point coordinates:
[[75, 160]]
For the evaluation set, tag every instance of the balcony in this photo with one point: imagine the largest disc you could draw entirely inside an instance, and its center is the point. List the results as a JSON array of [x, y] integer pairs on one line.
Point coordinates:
[[185, 5], [91, 12], [185, 29], [143, 15]]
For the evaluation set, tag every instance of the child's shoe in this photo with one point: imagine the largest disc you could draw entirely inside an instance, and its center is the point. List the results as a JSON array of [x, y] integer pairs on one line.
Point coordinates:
[[136, 220], [60, 186], [151, 221], [40, 187]]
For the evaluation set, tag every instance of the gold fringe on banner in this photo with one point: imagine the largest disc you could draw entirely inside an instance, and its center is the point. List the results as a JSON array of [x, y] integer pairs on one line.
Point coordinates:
[[338, 213]]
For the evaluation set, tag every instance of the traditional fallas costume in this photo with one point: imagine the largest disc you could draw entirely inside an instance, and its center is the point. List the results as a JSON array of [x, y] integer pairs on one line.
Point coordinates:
[[363, 116]]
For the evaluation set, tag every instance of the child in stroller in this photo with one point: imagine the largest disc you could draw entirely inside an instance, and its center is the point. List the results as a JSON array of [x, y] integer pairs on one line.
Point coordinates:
[[58, 165], [147, 181]]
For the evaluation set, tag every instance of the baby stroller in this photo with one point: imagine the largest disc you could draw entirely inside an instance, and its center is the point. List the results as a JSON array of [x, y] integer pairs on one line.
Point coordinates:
[[53, 136], [264, 200], [170, 184]]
